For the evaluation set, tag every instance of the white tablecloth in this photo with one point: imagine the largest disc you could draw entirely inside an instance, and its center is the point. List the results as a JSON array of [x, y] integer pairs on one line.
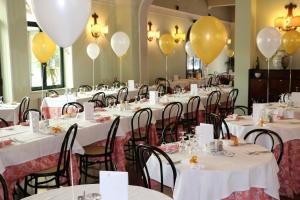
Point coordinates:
[[65, 193], [187, 82], [9, 112], [219, 176], [288, 129]]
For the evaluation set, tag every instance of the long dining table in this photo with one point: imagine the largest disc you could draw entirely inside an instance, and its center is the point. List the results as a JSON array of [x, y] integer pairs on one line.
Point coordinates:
[[288, 128]]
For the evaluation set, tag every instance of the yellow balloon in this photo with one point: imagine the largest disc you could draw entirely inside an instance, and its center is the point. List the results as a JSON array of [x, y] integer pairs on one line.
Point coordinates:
[[166, 44], [208, 38], [43, 47], [230, 53], [291, 41]]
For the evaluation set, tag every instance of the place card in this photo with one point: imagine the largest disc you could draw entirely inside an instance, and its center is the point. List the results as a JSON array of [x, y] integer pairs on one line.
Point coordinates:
[[194, 89], [295, 98], [34, 118], [205, 134], [153, 97], [88, 110], [113, 185], [130, 84], [257, 111]]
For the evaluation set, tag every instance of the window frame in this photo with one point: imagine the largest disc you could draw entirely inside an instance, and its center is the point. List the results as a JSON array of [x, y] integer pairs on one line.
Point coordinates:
[[44, 71]]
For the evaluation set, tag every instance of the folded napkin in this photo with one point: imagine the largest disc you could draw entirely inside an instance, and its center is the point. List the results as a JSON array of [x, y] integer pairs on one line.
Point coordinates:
[[56, 129], [172, 147], [233, 117], [5, 143], [103, 119], [100, 109]]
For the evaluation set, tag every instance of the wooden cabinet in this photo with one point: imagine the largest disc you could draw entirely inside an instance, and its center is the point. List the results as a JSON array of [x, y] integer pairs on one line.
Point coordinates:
[[278, 80]]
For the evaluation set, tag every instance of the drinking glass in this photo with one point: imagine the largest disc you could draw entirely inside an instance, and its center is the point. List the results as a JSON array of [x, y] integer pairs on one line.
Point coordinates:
[[1, 99]]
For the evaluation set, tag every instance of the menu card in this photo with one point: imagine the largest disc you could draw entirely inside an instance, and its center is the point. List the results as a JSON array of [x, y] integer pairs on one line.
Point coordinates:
[[88, 110], [205, 134], [194, 89], [113, 185], [130, 84], [257, 111], [153, 97], [295, 98], [34, 118]]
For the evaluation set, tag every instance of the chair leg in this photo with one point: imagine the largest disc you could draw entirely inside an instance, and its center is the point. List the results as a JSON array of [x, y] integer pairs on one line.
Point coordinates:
[[86, 169], [80, 169], [35, 185], [106, 162], [25, 184], [57, 181]]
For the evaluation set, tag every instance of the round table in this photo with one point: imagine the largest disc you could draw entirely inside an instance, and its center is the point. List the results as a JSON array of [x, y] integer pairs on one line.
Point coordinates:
[[134, 192]]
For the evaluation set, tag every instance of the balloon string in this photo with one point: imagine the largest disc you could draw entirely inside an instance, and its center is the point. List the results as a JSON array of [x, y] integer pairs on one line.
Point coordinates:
[[268, 81], [120, 69], [43, 68], [290, 83], [166, 73], [93, 74]]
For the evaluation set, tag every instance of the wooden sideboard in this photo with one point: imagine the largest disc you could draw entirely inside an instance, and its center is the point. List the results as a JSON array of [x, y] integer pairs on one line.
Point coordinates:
[[279, 83]]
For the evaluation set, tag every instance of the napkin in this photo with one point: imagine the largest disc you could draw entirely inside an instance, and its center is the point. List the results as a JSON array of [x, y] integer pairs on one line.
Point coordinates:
[[130, 84], [88, 110], [100, 109], [103, 119], [205, 134], [172, 147], [113, 185], [34, 118], [194, 89], [153, 97]]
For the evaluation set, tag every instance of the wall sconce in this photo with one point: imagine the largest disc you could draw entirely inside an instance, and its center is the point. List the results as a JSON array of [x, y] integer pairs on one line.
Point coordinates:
[[98, 30], [152, 34], [178, 37]]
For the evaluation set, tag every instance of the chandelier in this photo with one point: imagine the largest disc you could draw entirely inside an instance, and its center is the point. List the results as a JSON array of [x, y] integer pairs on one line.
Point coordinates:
[[290, 22]]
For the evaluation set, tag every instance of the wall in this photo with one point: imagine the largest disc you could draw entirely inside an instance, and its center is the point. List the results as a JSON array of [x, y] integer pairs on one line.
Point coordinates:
[[177, 60], [274, 9]]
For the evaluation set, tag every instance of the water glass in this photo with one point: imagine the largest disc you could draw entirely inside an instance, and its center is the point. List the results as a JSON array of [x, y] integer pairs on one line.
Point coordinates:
[[1, 99]]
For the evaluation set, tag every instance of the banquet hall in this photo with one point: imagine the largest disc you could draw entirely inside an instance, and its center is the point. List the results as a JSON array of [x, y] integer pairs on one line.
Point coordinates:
[[149, 99]]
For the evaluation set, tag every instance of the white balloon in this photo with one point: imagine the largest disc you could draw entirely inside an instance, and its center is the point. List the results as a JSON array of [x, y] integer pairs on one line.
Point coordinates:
[[62, 20], [189, 50], [93, 50], [268, 41], [120, 43]]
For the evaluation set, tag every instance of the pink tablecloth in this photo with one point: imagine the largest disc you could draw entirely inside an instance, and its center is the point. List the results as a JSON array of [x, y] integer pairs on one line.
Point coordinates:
[[289, 173], [252, 194], [16, 172]]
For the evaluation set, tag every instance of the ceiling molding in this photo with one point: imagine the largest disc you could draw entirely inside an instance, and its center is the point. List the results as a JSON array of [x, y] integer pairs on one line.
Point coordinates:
[[219, 3]]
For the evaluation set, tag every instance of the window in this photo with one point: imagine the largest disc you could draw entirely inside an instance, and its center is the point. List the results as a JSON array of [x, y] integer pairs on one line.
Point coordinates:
[[53, 73], [193, 66]]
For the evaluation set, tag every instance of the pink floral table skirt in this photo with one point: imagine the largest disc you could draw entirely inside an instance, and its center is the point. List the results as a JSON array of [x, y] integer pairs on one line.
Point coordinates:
[[252, 194], [289, 169], [17, 172], [51, 112]]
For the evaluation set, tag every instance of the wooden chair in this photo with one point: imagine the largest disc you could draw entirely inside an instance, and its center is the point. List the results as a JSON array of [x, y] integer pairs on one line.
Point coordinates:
[[97, 103], [110, 99], [50, 93], [255, 134], [212, 102], [99, 96], [228, 108], [143, 154], [161, 89], [3, 123], [192, 113], [61, 170], [103, 154], [177, 89], [4, 187], [85, 88], [221, 129], [26, 114], [72, 105], [122, 95], [143, 91], [24, 105]]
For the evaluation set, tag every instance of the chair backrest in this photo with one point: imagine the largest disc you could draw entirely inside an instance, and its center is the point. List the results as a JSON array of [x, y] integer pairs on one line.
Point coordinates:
[[100, 86], [221, 129], [4, 187], [72, 105], [285, 97], [141, 123], [169, 133], [117, 84], [24, 105], [111, 136], [260, 135], [192, 109], [143, 91], [144, 152], [110, 99], [212, 102], [230, 102], [97, 103], [171, 113], [209, 82], [122, 94], [99, 96], [160, 80], [85, 88], [26, 114], [51, 92], [3, 123], [177, 89], [161, 89], [66, 149], [243, 109]]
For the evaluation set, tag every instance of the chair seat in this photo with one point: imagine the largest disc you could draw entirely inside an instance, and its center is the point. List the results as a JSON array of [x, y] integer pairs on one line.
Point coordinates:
[[95, 150], [50, 170]]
